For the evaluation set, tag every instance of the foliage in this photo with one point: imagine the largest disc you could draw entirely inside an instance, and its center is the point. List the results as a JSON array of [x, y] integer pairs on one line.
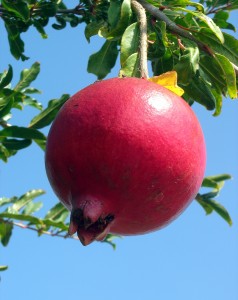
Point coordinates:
[[180, 38], [14, 138], [183, 36]]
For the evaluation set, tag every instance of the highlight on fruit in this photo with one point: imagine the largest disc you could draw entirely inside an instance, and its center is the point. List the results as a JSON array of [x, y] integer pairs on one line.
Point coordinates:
[[125, 156]]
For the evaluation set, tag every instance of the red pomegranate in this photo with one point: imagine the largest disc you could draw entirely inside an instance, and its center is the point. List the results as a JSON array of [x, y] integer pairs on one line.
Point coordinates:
[[125, 156]]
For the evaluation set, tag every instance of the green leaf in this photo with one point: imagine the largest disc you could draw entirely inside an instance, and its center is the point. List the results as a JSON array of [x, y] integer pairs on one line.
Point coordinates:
[[60, 225], [103, 61], [215, 182], [131, 67], [114, 13], [48, 9], [3, 268], [208, 182], [6, 104], [208, 209], [92, 29], [57, 213], [45, 118], [61, 23], [5, 232], [229, 73], [211, 70], [10, 98], [5, 153], [220, 75], [31, 207], [13, 144], [31, 90], [217, 207], [129, 42], [20, 217], [221, 18], [178, 3], [4, 200], [40, 28], [229, 48], [163, 64], [214, 29], [6, 78], [188, 63], [25, 199], [219, 98], [200, 92], [219, 178], [27, 76], [19, 8], [15, 41], [22, 132], [117, 30], [159, 41], [41, 144], [32, 102], [206, 200], [110, 240]]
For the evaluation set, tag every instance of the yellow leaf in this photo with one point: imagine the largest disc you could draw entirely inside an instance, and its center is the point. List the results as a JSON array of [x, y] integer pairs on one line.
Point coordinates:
[[169, 81]]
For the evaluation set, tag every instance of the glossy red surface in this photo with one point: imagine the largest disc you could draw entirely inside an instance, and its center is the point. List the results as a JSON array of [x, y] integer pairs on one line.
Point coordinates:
[[127, 148]]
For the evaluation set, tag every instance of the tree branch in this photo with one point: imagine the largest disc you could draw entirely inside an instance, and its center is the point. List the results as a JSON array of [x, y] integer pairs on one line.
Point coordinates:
[[39, 231], [159, 15], [141, 16]]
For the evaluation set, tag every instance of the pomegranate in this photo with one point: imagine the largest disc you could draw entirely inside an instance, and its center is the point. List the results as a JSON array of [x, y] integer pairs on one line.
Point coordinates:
[[125, 156]]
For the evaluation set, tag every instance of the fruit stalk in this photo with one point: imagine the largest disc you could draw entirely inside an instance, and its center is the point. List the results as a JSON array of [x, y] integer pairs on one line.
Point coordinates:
[[141, 16]]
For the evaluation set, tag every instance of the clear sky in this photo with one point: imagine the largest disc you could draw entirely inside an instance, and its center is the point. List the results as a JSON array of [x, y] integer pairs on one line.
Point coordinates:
[[194, 258]]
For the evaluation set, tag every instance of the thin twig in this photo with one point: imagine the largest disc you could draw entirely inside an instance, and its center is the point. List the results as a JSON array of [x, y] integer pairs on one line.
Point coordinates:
[[24, 226], [214, 10], [141, 16], [159, 15]]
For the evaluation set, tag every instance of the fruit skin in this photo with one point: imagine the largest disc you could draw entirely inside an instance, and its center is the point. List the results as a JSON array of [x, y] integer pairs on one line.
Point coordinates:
[[125, 156]]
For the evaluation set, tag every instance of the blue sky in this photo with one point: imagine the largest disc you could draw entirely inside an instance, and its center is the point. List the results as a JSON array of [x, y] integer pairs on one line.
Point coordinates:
[[193, 258]]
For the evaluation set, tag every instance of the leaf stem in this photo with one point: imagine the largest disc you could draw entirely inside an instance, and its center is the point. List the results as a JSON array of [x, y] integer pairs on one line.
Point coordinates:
[[141, 16], [39, 231], [214, 10]]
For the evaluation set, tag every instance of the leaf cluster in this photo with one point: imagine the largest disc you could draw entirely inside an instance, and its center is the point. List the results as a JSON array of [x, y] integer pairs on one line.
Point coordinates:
[[20, 15], [12, 137], [187, 41], [207, 201], [183, 36]]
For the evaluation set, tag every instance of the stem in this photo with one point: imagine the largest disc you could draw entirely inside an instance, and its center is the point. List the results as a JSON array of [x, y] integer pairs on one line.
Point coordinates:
[[23, 226], [78, 10], [214, 9], [141, 16]]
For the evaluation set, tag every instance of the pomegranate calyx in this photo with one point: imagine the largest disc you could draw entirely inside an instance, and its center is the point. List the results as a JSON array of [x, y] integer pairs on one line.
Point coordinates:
[[87, 230]]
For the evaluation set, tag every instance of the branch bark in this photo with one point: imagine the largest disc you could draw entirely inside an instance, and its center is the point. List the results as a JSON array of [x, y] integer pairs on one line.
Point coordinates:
[[141, 16]]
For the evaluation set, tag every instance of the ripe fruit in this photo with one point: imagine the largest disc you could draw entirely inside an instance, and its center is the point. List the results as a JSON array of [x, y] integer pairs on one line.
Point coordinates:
[[125, 156]]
